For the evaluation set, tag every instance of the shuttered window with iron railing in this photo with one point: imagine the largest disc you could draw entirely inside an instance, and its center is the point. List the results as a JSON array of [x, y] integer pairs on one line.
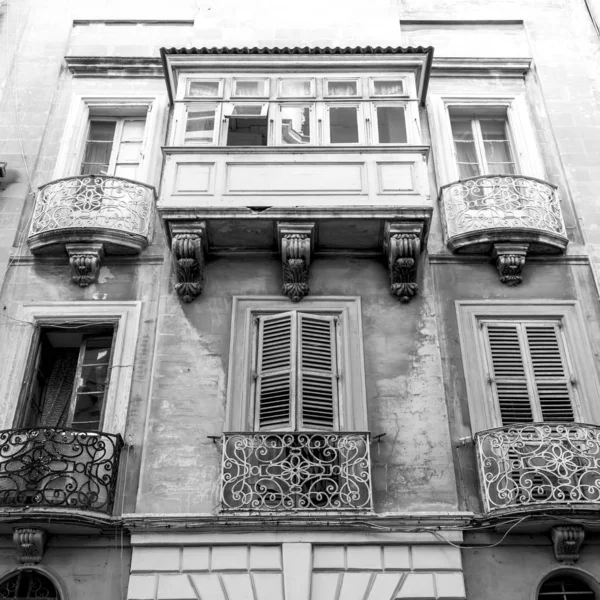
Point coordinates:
[[296, 372], [529, 372]]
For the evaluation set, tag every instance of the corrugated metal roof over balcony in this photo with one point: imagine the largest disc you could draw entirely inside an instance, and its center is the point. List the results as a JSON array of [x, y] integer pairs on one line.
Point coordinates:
[[361, 58]]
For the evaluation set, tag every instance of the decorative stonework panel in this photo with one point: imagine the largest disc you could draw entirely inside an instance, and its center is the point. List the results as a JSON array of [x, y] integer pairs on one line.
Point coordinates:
[[283, 572]]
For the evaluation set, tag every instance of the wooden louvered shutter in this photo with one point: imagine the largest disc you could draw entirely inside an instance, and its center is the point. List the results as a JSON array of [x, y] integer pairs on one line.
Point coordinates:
[[509, 378], [275, 371], [529, 375], [551, 379], [317, 372]]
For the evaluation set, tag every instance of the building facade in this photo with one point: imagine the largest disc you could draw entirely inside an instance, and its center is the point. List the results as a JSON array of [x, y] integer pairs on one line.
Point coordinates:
[[299, 302]]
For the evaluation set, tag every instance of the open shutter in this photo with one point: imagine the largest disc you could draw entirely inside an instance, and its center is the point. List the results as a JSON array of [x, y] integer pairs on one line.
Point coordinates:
[[317, 372], [552, 381], [509, 377], [275, 371]]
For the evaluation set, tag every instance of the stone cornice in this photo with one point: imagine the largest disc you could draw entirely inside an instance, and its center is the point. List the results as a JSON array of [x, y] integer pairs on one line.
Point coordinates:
[[115, 66], [480, 67]]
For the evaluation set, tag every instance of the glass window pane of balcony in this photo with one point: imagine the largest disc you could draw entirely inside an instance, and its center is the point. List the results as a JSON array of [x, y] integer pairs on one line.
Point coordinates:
[[206, 89], [497, 146], [391, 125], [98, 147], [200, 125], [343, 125], [391, 87], [294, 88], [295, 125], [342, 88], [466, 151]]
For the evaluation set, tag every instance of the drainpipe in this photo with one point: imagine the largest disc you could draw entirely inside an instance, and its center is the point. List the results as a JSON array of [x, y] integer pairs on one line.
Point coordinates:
[[593, 8]]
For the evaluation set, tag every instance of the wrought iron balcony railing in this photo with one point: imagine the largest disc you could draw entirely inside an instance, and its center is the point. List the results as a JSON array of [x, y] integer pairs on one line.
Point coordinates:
[[479, 211], [93, 208], [326, 471], [58, 468], [539, 464]]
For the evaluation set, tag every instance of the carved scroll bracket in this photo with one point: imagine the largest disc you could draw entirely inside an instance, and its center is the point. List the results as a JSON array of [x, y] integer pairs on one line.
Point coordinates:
[[402, 247], [85, 261], [567, 541], [187, 245], [30, 545], [296, 243], [510, 260]]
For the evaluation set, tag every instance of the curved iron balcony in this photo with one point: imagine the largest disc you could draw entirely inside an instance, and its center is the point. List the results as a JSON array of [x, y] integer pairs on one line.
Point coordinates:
[[296, 472], [509, 215], [539, 465], [89, 216], [58, 468]]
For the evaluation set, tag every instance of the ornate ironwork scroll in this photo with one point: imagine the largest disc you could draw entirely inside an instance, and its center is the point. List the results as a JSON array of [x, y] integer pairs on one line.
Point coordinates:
[[501, 202], [327, 471], [28, 584], [94, 202], [295, 240], [59, 468], [539, 464]]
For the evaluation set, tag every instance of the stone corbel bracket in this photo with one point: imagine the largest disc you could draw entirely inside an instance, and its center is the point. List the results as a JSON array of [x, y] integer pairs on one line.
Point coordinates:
[[30, 545], [567, 541], [85, 261], [296, 244], [510, 260], [402, 248], [188, 241]]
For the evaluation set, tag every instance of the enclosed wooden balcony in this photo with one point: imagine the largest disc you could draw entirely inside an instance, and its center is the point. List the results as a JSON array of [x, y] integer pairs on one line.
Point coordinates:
[[296, 472], [530, 467], [66, 470], [509, 216]]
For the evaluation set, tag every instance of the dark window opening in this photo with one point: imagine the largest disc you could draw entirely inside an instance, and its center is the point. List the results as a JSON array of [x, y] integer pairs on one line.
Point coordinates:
[[247, 131], [69, 379]]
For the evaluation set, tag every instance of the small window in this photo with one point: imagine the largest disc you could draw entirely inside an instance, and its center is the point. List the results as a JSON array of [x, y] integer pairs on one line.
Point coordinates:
[[296, 88], [28, 584], [295, 124], [205, 89], [343, 124], [565, 587], [482, 145], [342, 87], [113, 147], [391, 124], [69, 379], [256, 88], [388, 87], [200, 124]]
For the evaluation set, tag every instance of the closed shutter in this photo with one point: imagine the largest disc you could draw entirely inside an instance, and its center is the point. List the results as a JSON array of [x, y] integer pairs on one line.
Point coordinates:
[[317, 373], [529, 374], [275, 372]]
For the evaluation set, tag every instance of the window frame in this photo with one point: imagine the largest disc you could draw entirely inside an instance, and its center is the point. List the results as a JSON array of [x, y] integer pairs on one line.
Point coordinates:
[[191, 98], [526, 153], [482, 406], [24, 340], [310, 79], [278, 120], [375, 104], [240, 408], [216, 129], [266, 89], [357, 80], [360, 123], [86, 108], [374, 95]]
